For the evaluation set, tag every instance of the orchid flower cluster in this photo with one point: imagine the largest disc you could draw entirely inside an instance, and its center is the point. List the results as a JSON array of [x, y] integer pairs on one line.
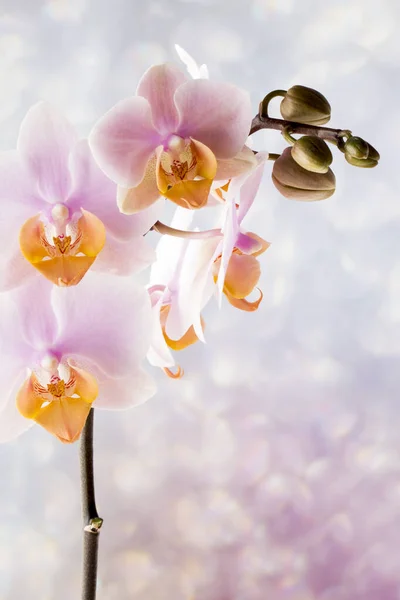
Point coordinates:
[[75, 326]]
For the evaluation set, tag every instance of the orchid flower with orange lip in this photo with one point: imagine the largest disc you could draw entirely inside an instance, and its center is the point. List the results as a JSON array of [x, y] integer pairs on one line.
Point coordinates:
[[228, 258], [235, 268], [177, 321], [169, 139], [62, 354], [59, 213]]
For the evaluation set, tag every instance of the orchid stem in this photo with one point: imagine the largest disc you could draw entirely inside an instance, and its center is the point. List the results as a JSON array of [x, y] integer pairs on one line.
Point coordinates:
[[325, 133], [182, 233], [91, 520]]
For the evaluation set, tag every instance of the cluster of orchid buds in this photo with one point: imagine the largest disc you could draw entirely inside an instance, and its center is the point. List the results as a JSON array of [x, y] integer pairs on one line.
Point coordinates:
[[302, 171], [77, 216]]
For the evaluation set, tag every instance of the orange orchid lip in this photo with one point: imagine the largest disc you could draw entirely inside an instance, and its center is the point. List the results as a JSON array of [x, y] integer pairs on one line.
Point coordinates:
[[64, 258], [185, 173], [61, 407], [242, 275], [188, 338]]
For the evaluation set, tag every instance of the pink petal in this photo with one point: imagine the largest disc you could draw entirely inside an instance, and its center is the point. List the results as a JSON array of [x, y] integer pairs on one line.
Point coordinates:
[[158, 86], [123, 140], [106, 320], [217, 114], [18, 203], [12, 423], [143, 221], [45, 141], [120, 394], [95, 192], [15, 270], [15, 352], [144, 195], [250, 186], [36, 317], [241, 163], [124, 258], [19, 197]]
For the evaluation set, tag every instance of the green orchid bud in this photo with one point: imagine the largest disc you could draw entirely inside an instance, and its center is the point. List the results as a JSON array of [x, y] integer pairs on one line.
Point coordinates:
[[359, 153], [297, 183], [312, 153], [356, 147], [305, 105]]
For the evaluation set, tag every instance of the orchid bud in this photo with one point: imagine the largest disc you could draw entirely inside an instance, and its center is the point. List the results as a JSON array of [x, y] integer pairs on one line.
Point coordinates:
[[356, 147], [312, 153], [297, 183], [359, 153], [305, 105]]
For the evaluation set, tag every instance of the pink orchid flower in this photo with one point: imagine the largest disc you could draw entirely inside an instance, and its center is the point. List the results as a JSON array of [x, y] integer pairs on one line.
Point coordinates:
[[59, 210], [169, 139], [62, 354], [177, 321]]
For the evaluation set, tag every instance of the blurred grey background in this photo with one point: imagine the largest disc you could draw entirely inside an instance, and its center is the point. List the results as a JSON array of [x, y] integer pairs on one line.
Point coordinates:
[[272, 470]]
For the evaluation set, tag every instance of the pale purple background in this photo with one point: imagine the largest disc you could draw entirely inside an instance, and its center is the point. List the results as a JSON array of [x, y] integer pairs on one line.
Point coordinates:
[[273, 469]]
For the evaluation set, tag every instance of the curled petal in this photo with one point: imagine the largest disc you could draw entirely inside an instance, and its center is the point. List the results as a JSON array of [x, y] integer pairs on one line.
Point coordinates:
[[142, 196], [190, 194], [159, 353], [45, 141], [177, 375], [187, 339], [123, 140], [158, 85], [217, 114], [251, 243], [243, 304]]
